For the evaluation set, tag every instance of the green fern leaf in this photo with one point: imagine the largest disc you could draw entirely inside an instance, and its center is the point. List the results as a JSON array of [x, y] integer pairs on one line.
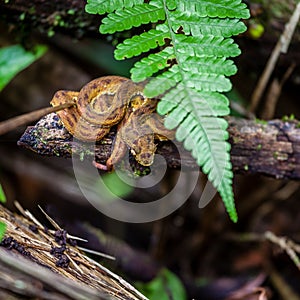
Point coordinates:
[[206, 45], [204, 134], [171, 4], [147, 66], [218, 103], [208, 82], [142, 43], [198, 26], [164, 82], [103, 6], [209, 64], [214, 8], [132, 17]]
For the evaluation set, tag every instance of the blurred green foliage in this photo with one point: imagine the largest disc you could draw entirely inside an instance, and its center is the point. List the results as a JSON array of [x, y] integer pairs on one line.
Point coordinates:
[[2, 225], [2, 230], [2, 195], [165, 286], [14, 59]]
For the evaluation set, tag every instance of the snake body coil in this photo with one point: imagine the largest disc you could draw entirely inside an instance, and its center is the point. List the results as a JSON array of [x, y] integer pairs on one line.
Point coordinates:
[[97, 107], [105, 102]]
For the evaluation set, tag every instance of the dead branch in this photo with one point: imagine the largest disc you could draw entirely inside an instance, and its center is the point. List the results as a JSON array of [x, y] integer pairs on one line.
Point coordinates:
[[271, 148], [49, 265]]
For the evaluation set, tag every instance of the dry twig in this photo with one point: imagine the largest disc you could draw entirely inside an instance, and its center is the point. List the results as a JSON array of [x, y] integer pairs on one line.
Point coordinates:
[[53, 261], [281, 47]]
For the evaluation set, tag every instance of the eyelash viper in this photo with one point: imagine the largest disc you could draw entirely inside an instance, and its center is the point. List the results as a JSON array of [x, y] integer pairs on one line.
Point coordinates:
[[105, 102]]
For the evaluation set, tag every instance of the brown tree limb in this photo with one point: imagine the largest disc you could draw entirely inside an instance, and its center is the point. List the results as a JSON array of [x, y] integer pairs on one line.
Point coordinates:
[[269, 148], [26, 118]]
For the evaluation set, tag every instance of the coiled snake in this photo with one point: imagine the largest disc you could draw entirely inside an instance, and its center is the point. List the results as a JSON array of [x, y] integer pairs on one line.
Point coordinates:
[[108, 101]]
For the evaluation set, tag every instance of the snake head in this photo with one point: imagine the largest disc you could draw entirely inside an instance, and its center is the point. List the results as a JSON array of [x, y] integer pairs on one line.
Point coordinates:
[[144, 150], [145, 158]]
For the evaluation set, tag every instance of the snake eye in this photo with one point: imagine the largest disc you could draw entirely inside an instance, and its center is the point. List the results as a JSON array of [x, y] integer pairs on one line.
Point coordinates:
[[133, 152]]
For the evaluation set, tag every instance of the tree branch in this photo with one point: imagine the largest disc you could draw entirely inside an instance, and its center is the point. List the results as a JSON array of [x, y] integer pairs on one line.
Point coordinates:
[[270, 148]]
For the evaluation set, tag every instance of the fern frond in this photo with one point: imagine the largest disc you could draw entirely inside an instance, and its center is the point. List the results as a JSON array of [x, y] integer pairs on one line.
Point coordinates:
[[142, 43], [103, 6], [194, 40], [131, 17], [197, 26], [147, 66], [214, 8]]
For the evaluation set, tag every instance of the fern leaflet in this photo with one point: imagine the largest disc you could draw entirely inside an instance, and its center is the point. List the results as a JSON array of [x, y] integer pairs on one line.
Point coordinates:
[[164, 82], [192, 43], [134, 16], [213, 8], [152, 64], [206, 45], [103, 6], [142, 43], [210, 65], [196, 26]]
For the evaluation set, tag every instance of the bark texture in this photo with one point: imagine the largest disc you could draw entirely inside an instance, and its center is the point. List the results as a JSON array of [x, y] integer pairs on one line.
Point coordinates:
[[271, 148]]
